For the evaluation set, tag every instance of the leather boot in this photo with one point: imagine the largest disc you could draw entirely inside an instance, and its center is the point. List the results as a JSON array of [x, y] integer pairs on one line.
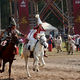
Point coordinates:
[[31, 54], [45, 55]]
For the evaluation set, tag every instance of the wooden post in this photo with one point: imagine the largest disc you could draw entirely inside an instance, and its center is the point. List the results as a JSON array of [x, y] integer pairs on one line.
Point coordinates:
[[16, 15], [36, 6], [67, 5], [63, 15], [36, 9], [10, 3], [0, 16]]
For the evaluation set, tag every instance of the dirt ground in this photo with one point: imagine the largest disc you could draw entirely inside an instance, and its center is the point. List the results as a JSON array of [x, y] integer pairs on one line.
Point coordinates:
[[59, 66]]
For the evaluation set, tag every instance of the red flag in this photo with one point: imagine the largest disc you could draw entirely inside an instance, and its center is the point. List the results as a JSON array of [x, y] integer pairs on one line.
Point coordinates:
[[23, 16], [76, 12]]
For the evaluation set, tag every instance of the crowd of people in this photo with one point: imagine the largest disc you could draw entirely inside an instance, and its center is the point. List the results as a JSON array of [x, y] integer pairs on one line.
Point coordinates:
[[55, 42], [72, 43]]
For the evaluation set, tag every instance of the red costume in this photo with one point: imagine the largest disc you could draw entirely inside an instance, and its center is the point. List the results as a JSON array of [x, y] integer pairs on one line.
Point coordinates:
[[39, 29], [50, 44]]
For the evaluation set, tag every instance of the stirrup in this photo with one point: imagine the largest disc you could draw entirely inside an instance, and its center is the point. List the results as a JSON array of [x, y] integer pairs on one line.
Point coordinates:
[[29, 47]]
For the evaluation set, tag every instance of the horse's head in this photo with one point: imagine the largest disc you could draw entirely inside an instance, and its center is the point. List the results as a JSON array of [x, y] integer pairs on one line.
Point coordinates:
[[43, 41]]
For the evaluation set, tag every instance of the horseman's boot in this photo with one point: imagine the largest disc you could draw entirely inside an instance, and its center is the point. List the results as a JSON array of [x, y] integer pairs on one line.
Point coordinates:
[[45, 54], [31, 54]]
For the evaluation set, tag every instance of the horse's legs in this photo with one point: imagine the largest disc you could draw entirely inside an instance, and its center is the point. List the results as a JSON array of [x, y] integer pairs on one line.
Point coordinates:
[[26, 65], [42, 60], [10, 64], [72, 51], [35, 65], [26, 54], [3, 66]]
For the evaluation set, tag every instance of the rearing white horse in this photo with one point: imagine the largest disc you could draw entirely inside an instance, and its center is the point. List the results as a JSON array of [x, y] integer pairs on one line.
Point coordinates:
[[38, 53]]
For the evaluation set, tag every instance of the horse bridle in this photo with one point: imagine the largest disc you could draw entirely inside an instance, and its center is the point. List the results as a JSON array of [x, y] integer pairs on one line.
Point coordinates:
[[42, 42]]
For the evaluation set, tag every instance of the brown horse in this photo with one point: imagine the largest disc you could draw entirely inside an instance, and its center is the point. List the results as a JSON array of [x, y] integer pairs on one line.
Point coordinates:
[[7, 53]]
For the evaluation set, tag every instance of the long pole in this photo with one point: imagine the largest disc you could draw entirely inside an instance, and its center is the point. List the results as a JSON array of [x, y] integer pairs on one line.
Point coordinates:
[[0, 16], [36, 7], [67, 4], [63, 14], [10, 7]]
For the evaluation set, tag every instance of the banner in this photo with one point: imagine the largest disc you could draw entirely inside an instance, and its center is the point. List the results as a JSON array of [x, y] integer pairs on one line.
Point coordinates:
[[76, 13], [23, 16]]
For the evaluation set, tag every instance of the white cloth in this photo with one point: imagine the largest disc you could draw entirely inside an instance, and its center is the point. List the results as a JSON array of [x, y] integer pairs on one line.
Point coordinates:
[[77, 41], [31, 39], [72, 43], [39, 20], [59, 41]]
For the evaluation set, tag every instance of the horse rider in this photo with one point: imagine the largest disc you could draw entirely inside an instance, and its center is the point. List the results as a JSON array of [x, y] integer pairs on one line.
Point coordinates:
[[11, 29], [33, 35], [6, 35]]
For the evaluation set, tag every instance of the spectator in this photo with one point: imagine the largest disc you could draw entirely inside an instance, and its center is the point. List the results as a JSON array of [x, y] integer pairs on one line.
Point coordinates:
[[50, 43], [59, 44]]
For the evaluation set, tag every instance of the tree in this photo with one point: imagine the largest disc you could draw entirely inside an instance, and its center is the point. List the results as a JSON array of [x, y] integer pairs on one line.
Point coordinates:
[[4, 13]]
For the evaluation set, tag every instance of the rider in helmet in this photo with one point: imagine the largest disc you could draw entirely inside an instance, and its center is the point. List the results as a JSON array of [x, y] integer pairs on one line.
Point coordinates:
[[6, 35], [11, 29]]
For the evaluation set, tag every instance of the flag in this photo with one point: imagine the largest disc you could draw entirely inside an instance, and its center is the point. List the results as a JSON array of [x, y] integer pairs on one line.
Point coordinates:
[[76, 13], [23, 16]]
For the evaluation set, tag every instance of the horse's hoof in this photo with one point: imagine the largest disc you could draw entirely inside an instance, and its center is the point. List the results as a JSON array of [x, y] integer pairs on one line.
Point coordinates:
[[29, 75], [0, 65], [33, 69], [42, 65], [39, 64], [37, 70], [1, 71]]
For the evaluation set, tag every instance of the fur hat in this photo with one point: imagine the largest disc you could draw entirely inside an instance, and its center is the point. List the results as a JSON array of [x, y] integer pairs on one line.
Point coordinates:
[[69, 37], [38, 19]]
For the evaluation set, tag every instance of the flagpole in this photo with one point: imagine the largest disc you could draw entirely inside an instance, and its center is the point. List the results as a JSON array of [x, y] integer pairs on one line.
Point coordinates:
[[0, 17], [10, 7]]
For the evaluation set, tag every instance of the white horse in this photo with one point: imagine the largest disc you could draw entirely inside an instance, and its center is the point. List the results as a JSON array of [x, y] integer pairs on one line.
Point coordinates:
[[38, 53]]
